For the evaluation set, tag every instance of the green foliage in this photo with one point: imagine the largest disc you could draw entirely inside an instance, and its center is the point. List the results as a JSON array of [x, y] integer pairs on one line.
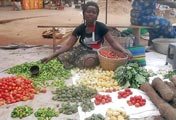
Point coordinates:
[[131, 75], [170, 74]]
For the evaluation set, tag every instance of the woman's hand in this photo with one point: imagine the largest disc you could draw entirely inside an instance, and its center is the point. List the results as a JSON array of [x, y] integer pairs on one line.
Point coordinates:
[[128, 53], [46, 59]]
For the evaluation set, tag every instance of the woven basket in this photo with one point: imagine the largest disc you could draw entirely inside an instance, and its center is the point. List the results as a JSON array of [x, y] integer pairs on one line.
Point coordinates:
[[111, 63]]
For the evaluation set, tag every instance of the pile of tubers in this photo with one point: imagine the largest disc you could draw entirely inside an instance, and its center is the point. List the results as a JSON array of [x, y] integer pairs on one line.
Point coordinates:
[[163, 95]]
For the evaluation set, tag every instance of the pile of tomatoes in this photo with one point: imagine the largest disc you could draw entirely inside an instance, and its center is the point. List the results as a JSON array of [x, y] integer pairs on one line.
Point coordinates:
[[102, 99], [15, 88], [111, 54], [137, 101], [123, 94]]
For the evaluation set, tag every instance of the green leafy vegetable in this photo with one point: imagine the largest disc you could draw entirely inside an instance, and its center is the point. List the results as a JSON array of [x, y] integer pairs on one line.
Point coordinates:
[[131, 75]]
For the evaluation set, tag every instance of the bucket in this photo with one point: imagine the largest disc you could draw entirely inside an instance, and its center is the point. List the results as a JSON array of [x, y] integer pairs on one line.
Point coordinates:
[[34, 70]]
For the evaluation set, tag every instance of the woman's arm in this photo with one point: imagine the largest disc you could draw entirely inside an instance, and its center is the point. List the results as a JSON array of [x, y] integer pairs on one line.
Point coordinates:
[[65, 47], [115, 44]]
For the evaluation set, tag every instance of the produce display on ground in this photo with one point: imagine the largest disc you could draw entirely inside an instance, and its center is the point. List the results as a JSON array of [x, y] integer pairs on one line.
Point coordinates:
[[91, 94], [49, 71]]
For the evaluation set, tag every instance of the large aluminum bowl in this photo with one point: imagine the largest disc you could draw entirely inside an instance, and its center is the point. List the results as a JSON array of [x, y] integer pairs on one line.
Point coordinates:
[[161, 44]]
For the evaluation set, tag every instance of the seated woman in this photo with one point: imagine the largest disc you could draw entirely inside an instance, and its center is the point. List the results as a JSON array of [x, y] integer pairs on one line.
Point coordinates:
[[90, 35], [143, 13]]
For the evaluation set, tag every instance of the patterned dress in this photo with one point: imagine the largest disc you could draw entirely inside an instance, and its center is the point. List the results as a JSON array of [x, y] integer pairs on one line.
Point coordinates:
[[77, 56], [143, 13]]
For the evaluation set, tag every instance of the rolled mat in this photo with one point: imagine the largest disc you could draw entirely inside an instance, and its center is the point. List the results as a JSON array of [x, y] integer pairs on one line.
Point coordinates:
[[137, 50], [138, 53]]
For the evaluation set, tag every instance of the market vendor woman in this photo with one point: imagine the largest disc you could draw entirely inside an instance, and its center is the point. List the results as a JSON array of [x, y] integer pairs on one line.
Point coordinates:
[[91, 35], [143, 13]]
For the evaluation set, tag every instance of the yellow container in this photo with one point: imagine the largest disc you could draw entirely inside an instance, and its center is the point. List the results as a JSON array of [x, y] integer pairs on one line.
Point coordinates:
[[40, 4], [32, 5]]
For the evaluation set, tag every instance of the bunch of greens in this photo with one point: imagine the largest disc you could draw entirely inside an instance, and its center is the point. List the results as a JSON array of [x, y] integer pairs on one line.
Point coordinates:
[[131, 75]]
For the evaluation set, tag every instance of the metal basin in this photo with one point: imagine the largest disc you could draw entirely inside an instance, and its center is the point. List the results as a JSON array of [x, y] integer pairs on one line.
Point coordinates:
[[161, 44]]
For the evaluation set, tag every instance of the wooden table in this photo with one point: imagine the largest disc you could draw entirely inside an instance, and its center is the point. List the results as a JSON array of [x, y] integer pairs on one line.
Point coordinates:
[[136, 30]]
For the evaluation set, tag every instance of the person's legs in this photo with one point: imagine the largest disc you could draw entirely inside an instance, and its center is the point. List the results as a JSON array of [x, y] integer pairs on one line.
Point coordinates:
[[18, 4], [159, 27], [90, 61], [87, 60], [14, 6], [67, 59], [79, 57]]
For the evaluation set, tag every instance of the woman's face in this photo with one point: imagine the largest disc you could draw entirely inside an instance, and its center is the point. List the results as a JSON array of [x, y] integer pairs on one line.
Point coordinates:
[[90, 14]]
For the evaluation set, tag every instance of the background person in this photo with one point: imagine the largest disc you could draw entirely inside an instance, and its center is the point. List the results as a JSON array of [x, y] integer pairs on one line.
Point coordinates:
[[90, 36], [17, 5], [143, 13]]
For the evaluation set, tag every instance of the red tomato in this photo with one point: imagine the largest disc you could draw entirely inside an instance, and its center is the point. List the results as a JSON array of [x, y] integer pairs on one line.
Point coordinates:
[[43, 90], [119, 96], [96, 102], [103, 101], [98, 97], [124, 95], [133, 102], [129, 103], [137, 105], [143, 100], [142, 103], [31, 96]]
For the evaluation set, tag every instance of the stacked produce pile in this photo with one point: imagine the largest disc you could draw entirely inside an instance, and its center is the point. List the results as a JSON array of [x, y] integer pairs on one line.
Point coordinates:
[[163, 95], [94, 88], [98, 79]]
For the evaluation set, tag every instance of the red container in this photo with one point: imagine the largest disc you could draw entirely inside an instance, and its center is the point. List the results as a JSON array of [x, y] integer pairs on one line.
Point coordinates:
[[26, 4], [36, 4]]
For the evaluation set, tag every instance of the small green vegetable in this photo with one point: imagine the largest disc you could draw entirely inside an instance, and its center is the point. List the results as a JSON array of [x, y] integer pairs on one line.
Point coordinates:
[[46, 113], [21, 112]]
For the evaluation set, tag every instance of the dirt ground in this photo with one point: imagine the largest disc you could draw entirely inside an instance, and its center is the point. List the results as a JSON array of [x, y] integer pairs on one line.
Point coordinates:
[[21, 26]]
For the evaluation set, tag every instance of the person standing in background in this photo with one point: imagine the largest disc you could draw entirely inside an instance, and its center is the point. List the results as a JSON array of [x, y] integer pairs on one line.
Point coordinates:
[[17, 5], [143, 13]]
